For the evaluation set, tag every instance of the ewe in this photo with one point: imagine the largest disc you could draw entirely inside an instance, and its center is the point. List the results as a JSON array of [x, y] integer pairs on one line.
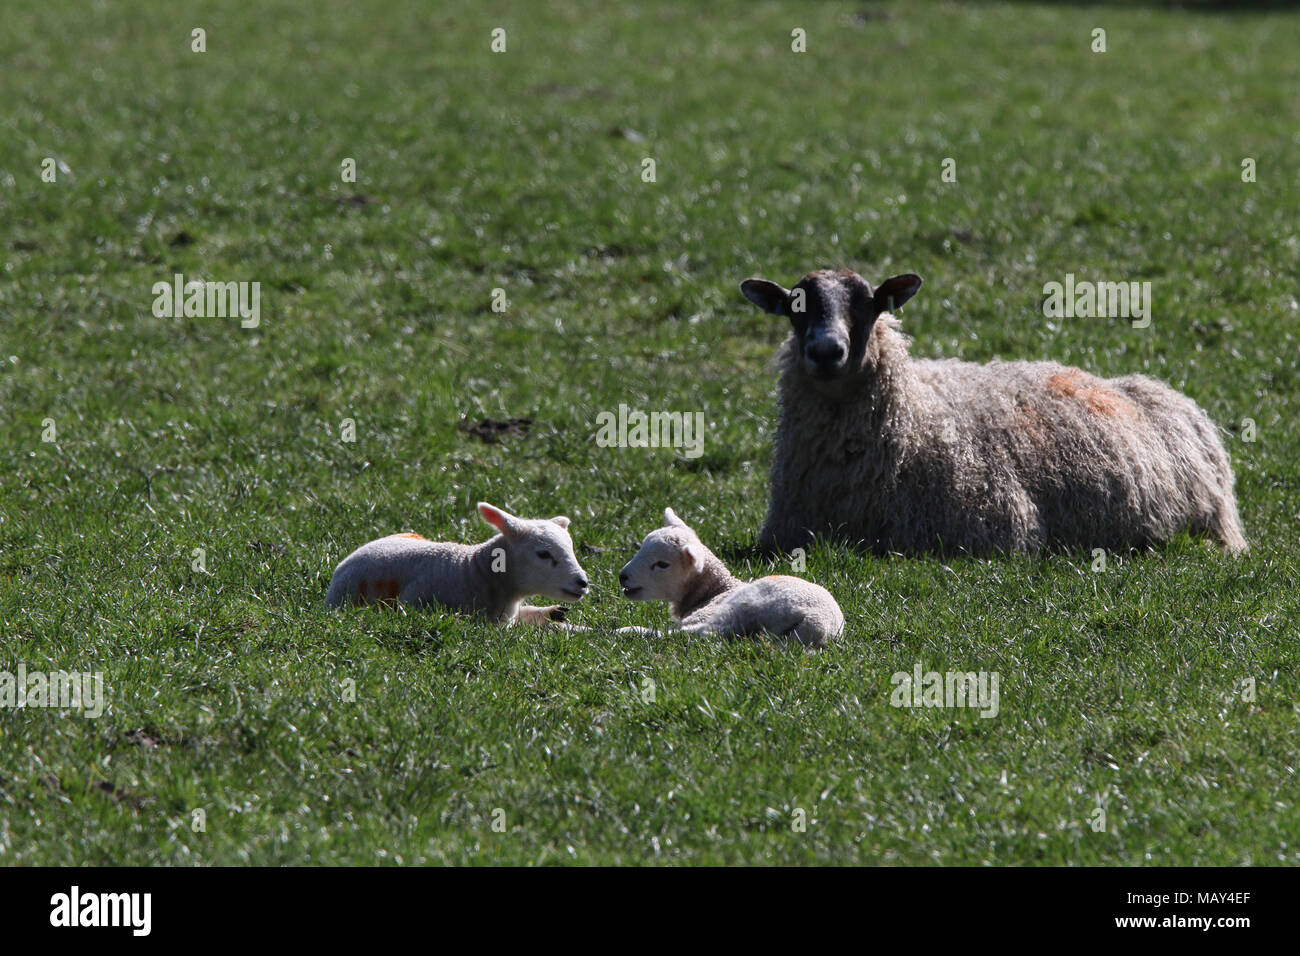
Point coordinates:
[[492, 578], [900, 454], [672, 565]]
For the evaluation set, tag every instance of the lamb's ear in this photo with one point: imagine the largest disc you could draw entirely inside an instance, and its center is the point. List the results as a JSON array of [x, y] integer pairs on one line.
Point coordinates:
[[504, 522], [561, 520], [671, 520], [896, 290], [693, 555], [767, 295]]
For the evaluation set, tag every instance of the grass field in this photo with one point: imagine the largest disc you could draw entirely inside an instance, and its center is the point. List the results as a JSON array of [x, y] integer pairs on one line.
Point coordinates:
[[522, 171]]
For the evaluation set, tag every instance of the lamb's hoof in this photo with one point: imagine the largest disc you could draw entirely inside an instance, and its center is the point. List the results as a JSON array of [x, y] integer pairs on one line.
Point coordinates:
[[557, 613]]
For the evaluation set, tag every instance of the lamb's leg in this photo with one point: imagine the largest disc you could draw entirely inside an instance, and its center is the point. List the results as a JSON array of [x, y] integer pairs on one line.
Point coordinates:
[[736, 623], [725, 623], [808, 633], [541, 615], [579, 629], [640, 631]]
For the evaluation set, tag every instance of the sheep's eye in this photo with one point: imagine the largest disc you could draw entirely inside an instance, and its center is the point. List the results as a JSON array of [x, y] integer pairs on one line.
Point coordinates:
[[659, 564], [544, 555]]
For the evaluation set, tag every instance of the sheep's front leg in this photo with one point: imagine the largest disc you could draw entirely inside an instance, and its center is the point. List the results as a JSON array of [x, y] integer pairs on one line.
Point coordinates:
[[542, 615]]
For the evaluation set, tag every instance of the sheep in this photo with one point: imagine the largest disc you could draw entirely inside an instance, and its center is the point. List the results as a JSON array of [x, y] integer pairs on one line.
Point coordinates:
[[672, 565], [526, 557], [892, 453]]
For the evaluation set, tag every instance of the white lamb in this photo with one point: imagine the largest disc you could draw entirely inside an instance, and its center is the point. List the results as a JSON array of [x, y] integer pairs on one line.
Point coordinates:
[[528, 556], [672, 565]]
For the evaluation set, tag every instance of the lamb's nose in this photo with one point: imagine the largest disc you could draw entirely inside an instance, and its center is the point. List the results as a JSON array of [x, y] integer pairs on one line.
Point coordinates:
[[622, 577], [581, 582]]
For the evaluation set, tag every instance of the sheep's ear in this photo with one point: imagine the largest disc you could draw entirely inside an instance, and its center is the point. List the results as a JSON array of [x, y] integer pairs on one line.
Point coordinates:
[[767, 295], [896, 290], [671, 520], [504, 522], [561, 520], [693, 557]]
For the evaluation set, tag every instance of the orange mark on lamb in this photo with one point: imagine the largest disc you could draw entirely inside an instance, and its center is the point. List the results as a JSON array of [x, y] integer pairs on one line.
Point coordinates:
[[1092, 392], [378, 591], [412, 534]]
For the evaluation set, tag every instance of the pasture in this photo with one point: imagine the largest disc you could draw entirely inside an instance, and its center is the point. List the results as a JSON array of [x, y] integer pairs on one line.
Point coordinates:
[[177, 527]]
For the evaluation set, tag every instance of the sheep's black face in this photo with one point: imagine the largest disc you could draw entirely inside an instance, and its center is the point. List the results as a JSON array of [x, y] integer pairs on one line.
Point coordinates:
[[833, 313]]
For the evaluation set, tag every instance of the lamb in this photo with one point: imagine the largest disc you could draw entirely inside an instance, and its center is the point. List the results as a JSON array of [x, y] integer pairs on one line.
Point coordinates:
[[893, 453], [526, 557], [672, 565]]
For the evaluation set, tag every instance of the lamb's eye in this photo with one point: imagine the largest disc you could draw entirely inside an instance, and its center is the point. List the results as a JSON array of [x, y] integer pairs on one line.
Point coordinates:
[[544, 555], [659, 564]]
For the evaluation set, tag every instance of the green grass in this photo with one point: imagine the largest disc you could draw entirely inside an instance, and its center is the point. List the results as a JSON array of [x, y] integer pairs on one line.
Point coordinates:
[[514, 171]]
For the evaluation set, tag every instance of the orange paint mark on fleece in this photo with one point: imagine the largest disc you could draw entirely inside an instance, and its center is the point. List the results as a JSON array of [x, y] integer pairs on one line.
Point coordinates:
[[1099, 399]]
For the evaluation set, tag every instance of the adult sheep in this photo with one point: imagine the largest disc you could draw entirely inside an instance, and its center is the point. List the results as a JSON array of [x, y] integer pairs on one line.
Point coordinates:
[[899, 454]]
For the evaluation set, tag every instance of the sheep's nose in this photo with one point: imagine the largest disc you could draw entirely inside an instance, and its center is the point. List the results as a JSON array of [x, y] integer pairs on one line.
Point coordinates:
[[581, 582], [825, 353], [622, 577]]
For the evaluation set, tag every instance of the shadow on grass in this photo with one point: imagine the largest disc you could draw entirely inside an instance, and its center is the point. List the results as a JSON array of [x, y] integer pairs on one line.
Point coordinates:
[[1182, 543], [418, 640]]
